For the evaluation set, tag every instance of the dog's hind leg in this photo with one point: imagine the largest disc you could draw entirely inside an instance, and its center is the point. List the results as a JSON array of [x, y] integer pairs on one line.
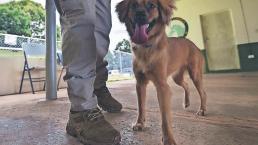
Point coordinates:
[[179, 80], [195, 72], [141, 85]]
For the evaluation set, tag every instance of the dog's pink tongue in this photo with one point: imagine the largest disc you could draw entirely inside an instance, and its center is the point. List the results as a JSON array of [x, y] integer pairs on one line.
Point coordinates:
[[140, 34]]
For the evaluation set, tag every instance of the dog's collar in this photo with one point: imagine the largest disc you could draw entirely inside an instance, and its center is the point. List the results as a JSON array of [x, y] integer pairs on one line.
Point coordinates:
[[147, 45]]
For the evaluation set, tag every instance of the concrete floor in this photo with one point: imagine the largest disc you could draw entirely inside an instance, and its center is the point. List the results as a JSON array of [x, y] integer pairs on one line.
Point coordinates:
[[232, 116]]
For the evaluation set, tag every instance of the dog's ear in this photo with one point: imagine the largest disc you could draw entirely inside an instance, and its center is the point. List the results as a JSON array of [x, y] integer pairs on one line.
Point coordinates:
[[122, 10], [166, 8]]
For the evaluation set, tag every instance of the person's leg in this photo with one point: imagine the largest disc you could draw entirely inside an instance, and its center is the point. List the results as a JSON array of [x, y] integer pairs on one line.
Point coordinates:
[[79, 51], [102, 30]]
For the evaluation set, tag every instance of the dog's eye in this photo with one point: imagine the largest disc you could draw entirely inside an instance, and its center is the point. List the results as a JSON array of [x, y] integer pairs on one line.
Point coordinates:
[[150, 6], [134, 6]]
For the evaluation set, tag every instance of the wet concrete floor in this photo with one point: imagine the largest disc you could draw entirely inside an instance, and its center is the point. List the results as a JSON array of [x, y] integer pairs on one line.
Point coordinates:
[[232, 116]]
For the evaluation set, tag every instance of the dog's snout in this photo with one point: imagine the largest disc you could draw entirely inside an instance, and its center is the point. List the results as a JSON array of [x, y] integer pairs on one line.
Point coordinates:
[[140, 17], [140, 13]]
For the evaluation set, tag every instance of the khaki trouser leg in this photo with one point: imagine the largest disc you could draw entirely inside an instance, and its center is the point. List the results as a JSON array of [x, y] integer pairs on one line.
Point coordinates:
[[78, 20], [102, 29]]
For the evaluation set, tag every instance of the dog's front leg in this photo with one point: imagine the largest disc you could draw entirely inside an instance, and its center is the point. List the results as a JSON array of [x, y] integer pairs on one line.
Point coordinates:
[[164, 98], [141, 94]]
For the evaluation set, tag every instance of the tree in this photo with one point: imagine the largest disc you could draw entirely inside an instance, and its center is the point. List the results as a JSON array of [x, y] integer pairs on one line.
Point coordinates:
[[58, 33], [124, 46], [23, 17], [14, 21]]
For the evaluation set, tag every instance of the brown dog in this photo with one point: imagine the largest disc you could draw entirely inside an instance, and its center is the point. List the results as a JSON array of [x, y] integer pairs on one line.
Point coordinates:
[[156, 57]]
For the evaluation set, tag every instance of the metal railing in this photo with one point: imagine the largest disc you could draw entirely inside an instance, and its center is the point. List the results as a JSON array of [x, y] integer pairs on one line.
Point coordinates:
[[125, 62], [11, 45]]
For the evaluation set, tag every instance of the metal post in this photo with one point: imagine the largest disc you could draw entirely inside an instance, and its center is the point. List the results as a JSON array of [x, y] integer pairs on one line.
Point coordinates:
[[120, 60], [51, 90]]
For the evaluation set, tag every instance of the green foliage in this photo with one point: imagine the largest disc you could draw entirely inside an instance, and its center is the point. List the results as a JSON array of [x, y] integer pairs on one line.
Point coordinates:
[[58, 33], [14, 21], [23, 17], [124, 46]]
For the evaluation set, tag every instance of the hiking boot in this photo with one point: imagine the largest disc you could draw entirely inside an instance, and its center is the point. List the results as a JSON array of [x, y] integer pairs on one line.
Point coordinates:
[[106, 101], [91, 128]]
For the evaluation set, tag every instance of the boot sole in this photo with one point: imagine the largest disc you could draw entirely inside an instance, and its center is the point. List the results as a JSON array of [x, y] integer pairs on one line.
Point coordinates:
[[72, 133], [88, 142], [109, 110]]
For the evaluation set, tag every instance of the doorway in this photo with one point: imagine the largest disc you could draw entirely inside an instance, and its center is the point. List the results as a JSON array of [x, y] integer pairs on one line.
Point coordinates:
[[219, 41]]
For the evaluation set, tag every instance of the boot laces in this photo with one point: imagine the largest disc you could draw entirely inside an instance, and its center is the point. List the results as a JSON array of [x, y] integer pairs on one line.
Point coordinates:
[[94, 115]]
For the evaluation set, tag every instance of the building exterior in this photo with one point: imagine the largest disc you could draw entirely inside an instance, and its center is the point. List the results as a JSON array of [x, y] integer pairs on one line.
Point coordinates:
[[227, 31]]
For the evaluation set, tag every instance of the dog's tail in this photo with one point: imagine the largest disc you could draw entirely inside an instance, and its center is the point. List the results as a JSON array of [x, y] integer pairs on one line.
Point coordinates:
[[185, 24]]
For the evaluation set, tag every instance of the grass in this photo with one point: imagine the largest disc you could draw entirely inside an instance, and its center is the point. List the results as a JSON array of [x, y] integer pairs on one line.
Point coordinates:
[[10, 53], [119, 77]]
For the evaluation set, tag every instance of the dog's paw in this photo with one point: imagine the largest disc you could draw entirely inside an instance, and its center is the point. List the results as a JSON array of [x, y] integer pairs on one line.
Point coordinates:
[[186, 105], [200, 112], [168, 141], [138, 127], [169, 144]]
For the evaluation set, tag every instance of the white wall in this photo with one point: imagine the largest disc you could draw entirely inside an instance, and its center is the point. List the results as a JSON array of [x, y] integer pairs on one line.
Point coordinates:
[[11, 72], [191, 10], [250, 8]]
